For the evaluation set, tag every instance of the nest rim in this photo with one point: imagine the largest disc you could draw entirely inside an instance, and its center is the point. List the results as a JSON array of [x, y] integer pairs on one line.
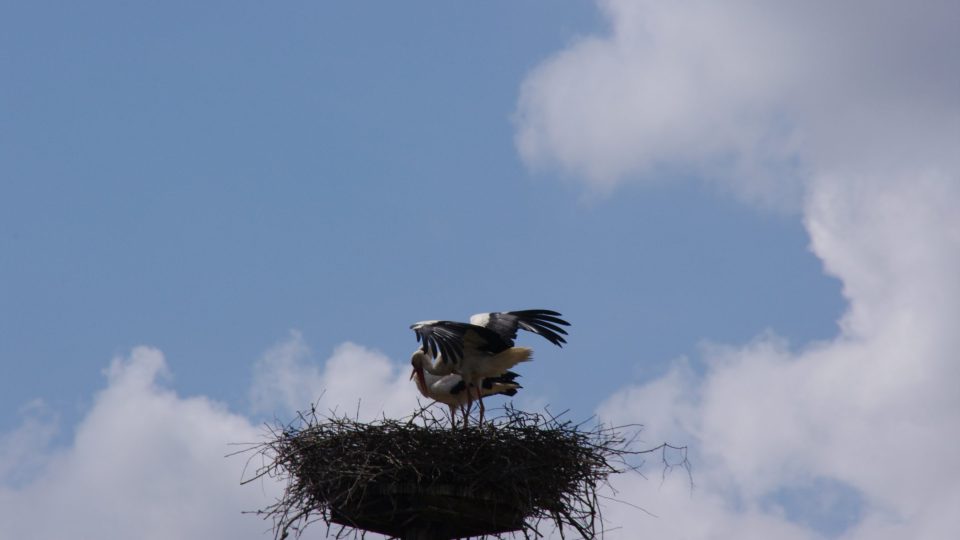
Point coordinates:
[[395, 489]]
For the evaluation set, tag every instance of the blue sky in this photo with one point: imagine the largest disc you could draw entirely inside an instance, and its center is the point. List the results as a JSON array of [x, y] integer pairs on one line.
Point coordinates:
[[206, 179]]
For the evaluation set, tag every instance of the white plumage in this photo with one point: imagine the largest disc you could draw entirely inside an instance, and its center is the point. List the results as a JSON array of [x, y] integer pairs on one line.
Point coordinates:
[[483, 348], [452, 391]]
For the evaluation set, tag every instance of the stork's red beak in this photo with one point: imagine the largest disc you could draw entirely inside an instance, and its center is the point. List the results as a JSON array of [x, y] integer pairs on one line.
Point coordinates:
[[412, 373]]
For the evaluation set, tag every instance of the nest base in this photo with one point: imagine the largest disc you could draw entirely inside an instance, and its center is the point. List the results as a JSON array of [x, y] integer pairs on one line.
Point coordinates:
[[429, 513], [417, 479]]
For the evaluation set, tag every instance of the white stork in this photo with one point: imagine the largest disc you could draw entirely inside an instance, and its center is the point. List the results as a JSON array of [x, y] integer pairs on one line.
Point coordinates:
[[484, 347], [452, 391]]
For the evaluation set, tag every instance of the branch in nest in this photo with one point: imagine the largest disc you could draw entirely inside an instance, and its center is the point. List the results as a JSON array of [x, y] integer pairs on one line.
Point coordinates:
[[513, 474]]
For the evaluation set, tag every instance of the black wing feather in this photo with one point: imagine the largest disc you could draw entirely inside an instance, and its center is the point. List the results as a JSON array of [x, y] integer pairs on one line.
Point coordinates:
[[544, 322], [446, 338]]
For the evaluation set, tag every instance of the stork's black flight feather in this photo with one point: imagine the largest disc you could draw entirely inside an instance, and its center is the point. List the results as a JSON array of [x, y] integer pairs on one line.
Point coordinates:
[[489, 333], [543, 322], [448, 338]]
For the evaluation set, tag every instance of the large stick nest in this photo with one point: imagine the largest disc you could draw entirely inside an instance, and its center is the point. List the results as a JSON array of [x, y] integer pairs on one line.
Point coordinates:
[[416, 474]]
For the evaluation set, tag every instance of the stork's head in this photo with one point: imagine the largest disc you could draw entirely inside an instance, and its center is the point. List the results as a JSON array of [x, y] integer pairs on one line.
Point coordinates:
[[417, 360]]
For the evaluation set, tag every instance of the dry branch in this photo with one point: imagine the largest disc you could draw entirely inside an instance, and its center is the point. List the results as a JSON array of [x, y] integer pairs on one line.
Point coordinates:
[[513, 474]]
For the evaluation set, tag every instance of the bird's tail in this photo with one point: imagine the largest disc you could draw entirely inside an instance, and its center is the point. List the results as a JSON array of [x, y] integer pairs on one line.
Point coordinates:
[[504, 384], [511, 357], [506, 389], [505, 377]]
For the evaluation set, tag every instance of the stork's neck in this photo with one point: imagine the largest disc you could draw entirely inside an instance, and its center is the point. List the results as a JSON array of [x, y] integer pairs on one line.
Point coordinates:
[[421, 381]]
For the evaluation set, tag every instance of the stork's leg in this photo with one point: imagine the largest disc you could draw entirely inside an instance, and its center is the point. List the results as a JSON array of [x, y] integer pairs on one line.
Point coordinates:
[[480, 400], [453, 416], [467, 409]]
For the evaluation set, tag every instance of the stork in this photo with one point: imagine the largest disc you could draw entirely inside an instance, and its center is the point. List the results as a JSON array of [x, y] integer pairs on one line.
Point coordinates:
[[451, 390], [484, 347]]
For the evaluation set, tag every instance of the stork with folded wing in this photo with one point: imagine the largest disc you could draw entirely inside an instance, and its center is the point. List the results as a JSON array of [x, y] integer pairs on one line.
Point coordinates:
[[452, 391]]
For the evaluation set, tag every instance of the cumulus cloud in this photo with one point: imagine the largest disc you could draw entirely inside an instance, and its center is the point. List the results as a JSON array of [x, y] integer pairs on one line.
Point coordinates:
[[874, 410], [22, 451], [746, 93], [850, 113], [144, 463], [148, 463], [355, 380], [871, 415]]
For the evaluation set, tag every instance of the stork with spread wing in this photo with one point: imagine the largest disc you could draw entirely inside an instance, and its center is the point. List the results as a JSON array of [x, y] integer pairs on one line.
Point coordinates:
[[484, 347]]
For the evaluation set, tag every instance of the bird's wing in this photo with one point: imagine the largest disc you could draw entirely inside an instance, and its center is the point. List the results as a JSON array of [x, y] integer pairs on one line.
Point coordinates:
[[543, 322], [449, 338]]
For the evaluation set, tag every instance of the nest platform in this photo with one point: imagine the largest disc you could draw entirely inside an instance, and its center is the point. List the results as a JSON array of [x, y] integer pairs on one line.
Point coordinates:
[[418, 479], [429, 512]]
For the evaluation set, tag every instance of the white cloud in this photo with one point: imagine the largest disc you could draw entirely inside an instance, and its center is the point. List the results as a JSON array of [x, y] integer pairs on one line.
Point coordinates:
[[875, 409], [22, 451], [144, 463], [750, 93], [355, 381], [147, 463], [678, 514], [852, 112]]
